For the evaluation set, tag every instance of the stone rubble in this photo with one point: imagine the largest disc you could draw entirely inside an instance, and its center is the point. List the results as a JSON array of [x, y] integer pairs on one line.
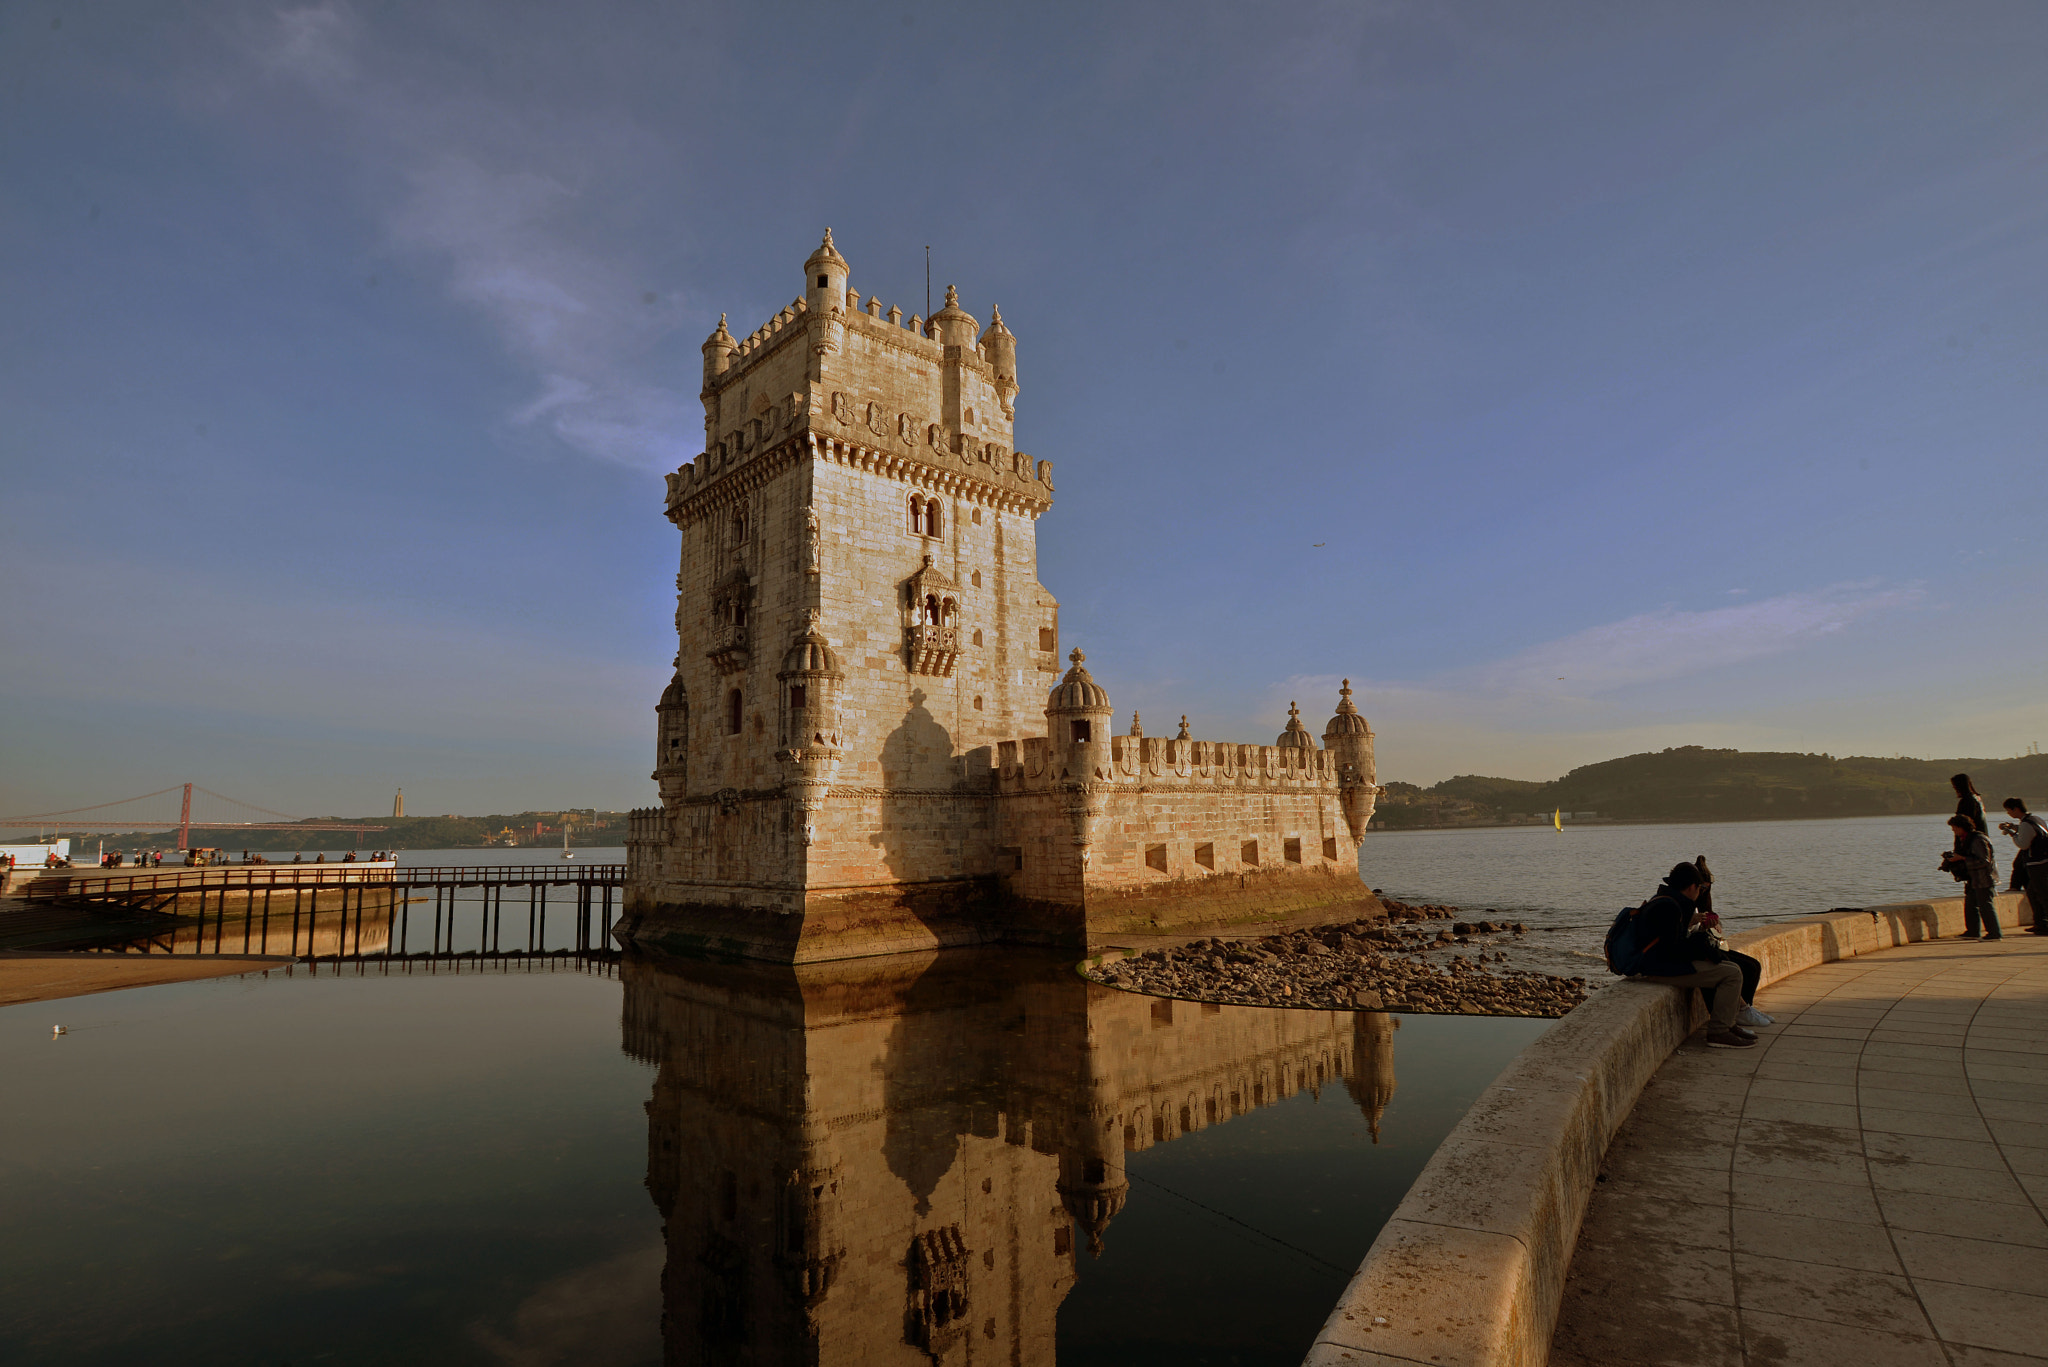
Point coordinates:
[[1366, 965]]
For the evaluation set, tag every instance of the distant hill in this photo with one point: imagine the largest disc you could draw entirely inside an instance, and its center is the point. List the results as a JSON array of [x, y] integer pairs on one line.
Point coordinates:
[[586, 827], [1692, 783]]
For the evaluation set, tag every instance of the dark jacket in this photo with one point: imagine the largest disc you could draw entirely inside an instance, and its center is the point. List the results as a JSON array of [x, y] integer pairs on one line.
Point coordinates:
[[1972, 807], [1972, 864], [1661, 928]]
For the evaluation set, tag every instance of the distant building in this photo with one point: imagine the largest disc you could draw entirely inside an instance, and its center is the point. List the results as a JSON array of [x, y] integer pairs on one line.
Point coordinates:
[[398, 805], [868, 744]]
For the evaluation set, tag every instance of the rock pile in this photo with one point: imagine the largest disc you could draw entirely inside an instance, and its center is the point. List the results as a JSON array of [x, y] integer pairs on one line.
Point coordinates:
[[1364, 965]]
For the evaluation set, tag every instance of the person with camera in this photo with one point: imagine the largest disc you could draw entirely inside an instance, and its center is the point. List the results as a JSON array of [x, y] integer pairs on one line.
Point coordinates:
[[2030, 865], [1972, 864]]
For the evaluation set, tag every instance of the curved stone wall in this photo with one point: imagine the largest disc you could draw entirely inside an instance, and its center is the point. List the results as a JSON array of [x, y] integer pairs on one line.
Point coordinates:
[[1470, 1269]]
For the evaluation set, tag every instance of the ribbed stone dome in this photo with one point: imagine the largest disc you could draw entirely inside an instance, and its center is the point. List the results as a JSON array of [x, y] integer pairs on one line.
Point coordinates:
[[1077, 692], [811, 654], [1347, 722], [1296, 736], [675, 695], [826, 255]]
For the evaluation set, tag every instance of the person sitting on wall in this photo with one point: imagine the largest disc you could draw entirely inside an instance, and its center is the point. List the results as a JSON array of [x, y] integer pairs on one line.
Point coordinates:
[[1972, 864], [2030, 864], [1708, 942], [1661, 941], [1662, 931]]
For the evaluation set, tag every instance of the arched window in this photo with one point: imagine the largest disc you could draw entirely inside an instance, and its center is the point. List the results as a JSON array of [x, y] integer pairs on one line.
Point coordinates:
[[931, 610], [739, 527], [946, 611], [931, 518], [735, 708], [917, 515]]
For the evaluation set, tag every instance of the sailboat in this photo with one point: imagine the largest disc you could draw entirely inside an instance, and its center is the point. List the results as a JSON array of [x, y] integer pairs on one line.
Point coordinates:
[[1557, 818], [565, 842]]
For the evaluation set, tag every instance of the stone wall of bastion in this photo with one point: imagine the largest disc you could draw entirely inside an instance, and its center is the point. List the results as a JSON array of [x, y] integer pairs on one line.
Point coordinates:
[[856, 754], [874, 1159]]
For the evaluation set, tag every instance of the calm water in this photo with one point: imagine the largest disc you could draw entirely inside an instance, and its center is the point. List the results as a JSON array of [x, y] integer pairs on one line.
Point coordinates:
[[702, 1163], [1571, 884]]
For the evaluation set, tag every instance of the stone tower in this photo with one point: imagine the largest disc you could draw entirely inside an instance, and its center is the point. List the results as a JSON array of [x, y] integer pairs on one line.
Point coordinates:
[[867, 744], [857, 607]]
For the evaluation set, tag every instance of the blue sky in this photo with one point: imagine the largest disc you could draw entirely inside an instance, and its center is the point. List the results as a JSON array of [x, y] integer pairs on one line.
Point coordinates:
[[1651, 374]]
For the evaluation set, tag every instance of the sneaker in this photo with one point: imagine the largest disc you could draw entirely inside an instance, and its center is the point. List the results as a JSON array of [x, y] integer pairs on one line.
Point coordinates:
[[1729, 1039], [1969, 935], [1751, 1016], [1738, 1030]]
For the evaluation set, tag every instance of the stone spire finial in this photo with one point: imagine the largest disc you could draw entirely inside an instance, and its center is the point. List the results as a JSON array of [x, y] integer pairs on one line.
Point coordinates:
[[952, 297], [1137, 726], [1183, 728], [1347, 722], [1074, 656], [995, 326], [827, 254], [719, 336]]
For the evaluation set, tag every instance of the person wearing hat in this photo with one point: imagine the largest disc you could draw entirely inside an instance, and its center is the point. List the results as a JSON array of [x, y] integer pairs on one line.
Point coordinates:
[[1662, 930]]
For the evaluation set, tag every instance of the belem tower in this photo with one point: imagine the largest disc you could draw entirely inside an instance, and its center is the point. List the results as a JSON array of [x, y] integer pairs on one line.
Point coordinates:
[[870, 744]]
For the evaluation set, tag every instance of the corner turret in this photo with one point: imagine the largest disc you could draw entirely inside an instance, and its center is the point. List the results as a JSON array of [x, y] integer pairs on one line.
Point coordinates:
[[1000, 347], [1077, 718], [1349, 741], [719, 349], [825, 278], [1296, 736]]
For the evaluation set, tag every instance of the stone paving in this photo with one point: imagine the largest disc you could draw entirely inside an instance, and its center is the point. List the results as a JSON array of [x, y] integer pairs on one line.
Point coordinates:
[[1865, 1186]]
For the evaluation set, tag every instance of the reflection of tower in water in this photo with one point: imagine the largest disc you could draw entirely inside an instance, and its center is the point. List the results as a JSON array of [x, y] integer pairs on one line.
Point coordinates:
[[884, 1160], [1371, 1079]]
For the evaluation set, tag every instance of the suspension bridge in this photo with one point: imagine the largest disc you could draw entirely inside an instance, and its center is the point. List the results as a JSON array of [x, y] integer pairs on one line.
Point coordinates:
[[152, 812]]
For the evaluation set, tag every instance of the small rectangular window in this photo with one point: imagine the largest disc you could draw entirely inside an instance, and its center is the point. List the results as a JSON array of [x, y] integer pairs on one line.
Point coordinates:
[[1063, 1241], [1047, 640], [1329, 847], [1162, 1012], [823, 282], [1081, 732], [1205, 855], [1291, 850], [1249, 853], [796, 697], [1010, 859], [1155, 857]]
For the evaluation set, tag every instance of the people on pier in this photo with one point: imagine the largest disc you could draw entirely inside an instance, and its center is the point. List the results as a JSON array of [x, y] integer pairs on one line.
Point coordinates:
[[1709, 942], [1972, 864], [2030, 862]]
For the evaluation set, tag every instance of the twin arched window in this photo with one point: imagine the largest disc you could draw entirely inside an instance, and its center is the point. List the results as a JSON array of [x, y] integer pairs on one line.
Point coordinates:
[[926, 517], [936, 611]]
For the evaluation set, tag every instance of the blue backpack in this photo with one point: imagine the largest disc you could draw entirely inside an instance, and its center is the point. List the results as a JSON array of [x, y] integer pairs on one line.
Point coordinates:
[[1624, 955]]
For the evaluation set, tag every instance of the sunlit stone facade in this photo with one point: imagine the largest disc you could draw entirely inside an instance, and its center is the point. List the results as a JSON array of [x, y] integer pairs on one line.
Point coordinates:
[[868, 744]]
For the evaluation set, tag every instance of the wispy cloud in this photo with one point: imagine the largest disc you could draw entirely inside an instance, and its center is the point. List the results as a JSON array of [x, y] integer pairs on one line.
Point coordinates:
[[1671, 644], [499, 199], [1594, 692]]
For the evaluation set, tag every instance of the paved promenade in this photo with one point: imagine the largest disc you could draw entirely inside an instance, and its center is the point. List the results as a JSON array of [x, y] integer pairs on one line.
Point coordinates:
[[1866, 1186]]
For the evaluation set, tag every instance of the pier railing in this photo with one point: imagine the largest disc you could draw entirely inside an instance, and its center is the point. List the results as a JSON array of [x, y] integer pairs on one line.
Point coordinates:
[[95, 886]]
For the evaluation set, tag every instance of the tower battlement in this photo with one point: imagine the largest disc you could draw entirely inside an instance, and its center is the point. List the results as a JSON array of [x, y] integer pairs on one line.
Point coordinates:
[[868, 744]]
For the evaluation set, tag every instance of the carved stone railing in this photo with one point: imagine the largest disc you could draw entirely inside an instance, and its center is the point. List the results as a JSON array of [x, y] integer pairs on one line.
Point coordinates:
[[933, 650], [729, 648]]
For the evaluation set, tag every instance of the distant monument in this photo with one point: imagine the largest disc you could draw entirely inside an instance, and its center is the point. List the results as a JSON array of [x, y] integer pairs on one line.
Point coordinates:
[[398, 804], [868, 745]]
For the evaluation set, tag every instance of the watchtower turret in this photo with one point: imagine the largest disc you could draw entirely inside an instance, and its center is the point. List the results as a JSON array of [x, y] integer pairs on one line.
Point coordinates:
[[719, 349], [1000, 346], [825, 277], [1349, 741]]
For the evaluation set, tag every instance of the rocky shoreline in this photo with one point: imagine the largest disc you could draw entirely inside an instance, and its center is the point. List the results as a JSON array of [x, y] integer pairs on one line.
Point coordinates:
[[1366, 965]]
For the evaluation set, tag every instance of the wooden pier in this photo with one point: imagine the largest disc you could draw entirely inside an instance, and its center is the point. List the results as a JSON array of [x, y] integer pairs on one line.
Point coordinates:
[[319, 911]]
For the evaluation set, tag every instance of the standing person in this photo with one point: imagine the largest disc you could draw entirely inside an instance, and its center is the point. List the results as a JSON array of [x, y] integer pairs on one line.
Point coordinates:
[[1969, 803], [2030, 865], [1972, 864], [1659, 935]]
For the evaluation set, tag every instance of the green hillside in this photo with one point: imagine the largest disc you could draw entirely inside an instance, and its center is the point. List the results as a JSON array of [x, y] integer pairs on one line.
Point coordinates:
[[1692, 783], [586, 827]]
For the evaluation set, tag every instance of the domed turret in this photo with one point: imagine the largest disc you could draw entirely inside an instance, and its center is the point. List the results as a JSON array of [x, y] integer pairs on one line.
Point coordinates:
[[719, 349], [671, 744], [810, 680], [1371, 1079], [1349, 741], [1000, 347], [1296, 736], [812, 654], [825, 277], [953, 325], [1077, 692]]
